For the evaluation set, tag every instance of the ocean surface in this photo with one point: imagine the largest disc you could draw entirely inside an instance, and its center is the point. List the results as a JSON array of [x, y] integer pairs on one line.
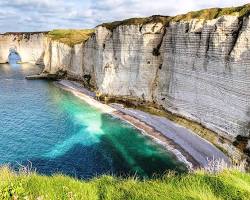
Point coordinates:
[[52, 131]]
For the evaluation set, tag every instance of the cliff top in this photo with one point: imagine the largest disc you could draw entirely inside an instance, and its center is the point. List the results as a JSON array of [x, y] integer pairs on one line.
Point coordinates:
[[71, 37], [212, 13], [138, 21], [207, 14]]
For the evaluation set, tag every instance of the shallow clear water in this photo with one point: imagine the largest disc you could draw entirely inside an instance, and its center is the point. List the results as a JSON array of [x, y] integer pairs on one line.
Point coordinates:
[[58, 132]]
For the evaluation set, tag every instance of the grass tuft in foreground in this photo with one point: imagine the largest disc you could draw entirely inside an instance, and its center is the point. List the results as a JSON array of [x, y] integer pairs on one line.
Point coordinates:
[[71, 37], [229, 184]]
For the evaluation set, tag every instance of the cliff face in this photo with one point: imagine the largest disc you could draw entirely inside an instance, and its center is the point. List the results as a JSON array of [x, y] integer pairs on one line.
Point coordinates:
[[198, 69], [205, 73], [57, 56], [124, 64], [201, 70], [30, 46]]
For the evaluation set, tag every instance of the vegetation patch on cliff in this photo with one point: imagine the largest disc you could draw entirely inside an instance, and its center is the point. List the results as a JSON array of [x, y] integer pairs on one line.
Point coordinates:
[[138, 21], [212, 13], [228, 184], [71, 37], [206, 14]]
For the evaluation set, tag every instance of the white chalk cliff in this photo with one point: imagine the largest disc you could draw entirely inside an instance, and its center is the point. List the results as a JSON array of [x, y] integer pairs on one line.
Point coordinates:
[[198, 69], [202, 71]]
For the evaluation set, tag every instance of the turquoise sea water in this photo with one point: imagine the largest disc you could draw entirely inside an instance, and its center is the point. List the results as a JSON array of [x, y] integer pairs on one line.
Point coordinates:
[[59, 133]]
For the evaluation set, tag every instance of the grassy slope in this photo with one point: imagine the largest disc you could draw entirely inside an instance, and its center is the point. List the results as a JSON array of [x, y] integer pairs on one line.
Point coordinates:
[[226, 185], [206, 14], [71, 37]]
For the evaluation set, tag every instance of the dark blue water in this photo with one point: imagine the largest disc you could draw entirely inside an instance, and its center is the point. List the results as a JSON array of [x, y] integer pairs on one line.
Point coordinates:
[[57, 132]]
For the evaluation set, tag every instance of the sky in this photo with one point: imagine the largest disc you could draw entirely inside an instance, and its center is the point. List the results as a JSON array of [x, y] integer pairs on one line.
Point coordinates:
[[43, 15]]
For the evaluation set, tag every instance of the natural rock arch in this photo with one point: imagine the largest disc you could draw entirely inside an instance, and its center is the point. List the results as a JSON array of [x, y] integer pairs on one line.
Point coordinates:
[[14, 56], [30, 46]]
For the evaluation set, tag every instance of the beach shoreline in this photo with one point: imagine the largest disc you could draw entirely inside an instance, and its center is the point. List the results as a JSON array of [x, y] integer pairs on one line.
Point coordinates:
[[178, 140]]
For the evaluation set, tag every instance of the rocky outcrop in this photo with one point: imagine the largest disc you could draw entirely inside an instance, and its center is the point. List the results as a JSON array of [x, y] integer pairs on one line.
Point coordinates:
[[30, 46]]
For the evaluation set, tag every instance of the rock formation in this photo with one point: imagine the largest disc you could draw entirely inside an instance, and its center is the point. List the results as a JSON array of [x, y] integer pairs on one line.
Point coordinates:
[[30, 46]]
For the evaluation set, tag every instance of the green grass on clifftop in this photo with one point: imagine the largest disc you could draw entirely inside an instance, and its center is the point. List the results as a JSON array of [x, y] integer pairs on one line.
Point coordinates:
[[138, 21], [213, 13], [226, 185], [206, 14], [71, 37]]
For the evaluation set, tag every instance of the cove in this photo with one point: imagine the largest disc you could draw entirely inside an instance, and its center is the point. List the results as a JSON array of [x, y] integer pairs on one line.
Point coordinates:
[[59, 133]]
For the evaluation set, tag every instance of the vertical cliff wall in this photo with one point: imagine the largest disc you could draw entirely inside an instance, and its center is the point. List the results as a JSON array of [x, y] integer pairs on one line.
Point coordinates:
[[61, 57], [124, 63], [205, 73], [57, 56], [30, 46]]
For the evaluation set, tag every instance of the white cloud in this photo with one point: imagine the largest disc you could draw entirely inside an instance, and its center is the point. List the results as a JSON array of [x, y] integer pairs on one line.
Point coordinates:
[[36, 15]]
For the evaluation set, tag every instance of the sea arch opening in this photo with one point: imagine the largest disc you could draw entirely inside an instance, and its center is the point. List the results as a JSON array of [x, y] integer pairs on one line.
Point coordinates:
[[14, 57]]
